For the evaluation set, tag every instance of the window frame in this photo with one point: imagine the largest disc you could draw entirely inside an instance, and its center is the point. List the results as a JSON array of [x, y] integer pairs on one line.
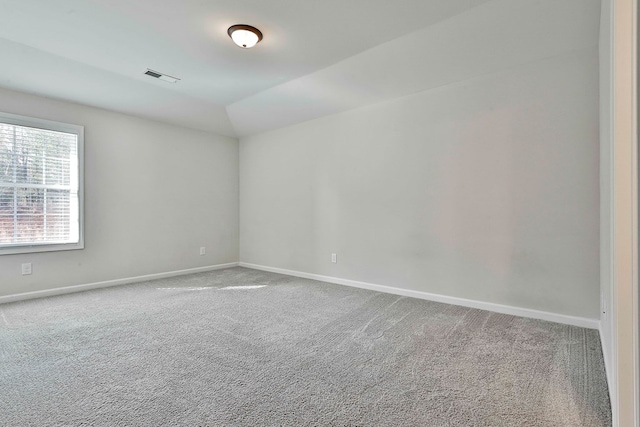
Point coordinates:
[[21, 248]]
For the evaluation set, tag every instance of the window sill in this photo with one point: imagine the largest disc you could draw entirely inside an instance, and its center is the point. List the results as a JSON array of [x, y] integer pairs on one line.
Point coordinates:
[[27, 249]]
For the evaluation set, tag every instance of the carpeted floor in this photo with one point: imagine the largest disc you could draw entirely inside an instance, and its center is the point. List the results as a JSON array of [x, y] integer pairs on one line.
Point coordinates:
[[240, 347]]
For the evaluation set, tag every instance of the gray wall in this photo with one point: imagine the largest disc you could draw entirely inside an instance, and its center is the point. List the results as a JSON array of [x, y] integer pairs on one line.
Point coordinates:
[[606, 183], [485, 189], [154, 193]]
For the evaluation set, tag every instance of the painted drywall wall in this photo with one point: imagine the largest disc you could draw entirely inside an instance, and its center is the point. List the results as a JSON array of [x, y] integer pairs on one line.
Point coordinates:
[[606, 184], [485, 189], [154, 194]]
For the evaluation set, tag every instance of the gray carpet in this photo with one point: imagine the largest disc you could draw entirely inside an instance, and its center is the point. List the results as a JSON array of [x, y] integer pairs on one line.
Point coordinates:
[[240, 347]]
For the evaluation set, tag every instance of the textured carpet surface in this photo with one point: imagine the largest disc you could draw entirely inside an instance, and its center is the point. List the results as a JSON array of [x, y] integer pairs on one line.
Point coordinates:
[[240, 347]]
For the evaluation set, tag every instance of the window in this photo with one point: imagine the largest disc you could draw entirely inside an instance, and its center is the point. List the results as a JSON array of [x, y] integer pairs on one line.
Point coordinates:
[[40, 185]]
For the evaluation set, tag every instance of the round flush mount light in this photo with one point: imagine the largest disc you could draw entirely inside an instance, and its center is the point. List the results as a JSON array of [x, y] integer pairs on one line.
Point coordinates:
[[244, 36]]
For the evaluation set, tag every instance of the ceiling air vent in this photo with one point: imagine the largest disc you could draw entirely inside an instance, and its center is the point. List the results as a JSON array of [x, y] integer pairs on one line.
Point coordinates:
[[161, 76]]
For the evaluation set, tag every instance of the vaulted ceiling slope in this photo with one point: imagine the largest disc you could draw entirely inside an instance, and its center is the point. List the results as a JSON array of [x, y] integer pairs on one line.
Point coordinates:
[[317, 57]]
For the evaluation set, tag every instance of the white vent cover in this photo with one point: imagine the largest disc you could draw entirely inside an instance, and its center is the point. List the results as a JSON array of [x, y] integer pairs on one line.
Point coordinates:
[[163, 77]]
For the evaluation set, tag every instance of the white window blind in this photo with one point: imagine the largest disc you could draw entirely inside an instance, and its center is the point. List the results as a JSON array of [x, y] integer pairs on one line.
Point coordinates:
[[40, 183]]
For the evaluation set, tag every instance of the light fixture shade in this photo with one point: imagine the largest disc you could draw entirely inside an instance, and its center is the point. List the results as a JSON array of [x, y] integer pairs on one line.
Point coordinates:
[[244, 36]]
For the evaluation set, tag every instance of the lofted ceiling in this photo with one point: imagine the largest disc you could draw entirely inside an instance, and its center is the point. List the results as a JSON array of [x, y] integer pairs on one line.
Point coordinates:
[[317, 57]]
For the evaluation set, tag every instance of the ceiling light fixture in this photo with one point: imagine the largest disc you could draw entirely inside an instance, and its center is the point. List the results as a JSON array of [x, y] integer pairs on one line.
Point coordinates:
[[244, 36]]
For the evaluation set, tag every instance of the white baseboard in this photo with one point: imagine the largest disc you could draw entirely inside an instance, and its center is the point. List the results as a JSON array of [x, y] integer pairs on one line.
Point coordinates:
[[609, 370], [108, 283], [498, 308]]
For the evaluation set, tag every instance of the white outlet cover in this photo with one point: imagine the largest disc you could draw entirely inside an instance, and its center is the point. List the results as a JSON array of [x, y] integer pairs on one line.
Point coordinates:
[[26, 269]]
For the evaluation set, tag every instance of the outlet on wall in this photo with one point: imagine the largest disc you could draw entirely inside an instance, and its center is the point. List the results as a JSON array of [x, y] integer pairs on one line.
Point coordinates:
[[334, 258], [203, 251], [26, 269]]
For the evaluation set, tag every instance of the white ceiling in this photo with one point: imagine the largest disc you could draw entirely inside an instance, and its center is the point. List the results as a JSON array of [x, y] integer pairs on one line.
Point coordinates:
[[317, 57]]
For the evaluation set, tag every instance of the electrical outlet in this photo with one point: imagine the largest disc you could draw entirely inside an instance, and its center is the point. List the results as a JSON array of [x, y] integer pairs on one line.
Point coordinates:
[[334, 258], [203, 251], [26, 269]]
